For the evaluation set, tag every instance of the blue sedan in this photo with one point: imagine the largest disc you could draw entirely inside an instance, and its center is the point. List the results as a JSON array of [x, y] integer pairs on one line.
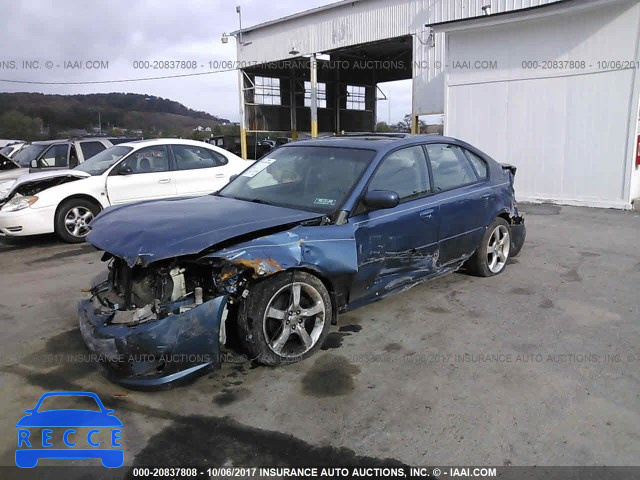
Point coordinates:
[[314, 229]]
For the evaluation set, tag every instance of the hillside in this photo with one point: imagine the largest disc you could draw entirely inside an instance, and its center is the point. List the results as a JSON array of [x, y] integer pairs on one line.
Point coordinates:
[[33, 115]]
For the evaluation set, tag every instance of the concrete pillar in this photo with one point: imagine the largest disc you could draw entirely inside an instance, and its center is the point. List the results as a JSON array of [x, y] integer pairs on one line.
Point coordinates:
[[314, 96]]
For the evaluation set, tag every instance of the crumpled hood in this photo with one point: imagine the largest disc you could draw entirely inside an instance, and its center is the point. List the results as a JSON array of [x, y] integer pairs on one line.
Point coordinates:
[[11, 175], [156, 230], [30, 177], [23, 176]]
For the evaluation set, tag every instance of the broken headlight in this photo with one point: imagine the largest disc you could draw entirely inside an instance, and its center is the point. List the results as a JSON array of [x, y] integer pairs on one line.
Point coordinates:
[[19, 203]]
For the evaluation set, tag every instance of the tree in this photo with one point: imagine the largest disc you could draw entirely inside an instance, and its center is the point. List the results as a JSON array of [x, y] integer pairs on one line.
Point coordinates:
[[15, 125], [404, 126], [383, 127]]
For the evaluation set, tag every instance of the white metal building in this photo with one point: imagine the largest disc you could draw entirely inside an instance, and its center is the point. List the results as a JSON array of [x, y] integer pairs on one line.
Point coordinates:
[[405, 39], [563, 102]]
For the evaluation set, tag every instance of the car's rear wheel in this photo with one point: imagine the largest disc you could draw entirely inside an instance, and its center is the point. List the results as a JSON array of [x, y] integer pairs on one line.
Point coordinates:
[[73, 217], [285, 318], [493, 253]]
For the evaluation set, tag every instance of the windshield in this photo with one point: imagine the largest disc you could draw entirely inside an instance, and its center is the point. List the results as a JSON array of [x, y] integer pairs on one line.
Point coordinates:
[[315, 179], [101, 162], [28, 153]]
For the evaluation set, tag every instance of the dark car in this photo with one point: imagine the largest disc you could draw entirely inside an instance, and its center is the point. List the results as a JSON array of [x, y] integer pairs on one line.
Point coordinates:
[[318, 228]]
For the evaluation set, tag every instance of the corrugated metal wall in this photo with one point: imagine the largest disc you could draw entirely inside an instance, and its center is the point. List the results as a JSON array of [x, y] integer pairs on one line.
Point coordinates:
[[570, 131], [371, 20]]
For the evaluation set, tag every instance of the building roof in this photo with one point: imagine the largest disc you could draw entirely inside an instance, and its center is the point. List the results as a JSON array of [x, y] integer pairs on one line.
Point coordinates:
[[514, 15], [304, 13]]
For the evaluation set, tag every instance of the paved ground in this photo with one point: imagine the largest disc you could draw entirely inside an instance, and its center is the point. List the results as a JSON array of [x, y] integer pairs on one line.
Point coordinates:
[[539, 365]]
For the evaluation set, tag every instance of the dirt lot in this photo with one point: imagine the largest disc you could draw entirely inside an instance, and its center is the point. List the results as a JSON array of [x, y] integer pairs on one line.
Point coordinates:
[[539, 365]]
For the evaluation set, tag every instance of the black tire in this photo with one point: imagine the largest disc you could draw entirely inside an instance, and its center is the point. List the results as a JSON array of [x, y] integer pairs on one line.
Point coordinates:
[[259, 333], [484, 263], [69, 210]]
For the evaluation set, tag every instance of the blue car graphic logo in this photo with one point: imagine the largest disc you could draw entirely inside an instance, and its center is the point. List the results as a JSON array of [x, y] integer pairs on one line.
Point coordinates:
[[59, 429]]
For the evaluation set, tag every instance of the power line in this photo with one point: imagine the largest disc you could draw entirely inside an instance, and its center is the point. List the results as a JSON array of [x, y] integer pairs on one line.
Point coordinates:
[[126, 80]]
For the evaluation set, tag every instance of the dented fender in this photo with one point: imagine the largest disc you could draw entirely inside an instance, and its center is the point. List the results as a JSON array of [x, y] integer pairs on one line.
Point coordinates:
[[330, 251]]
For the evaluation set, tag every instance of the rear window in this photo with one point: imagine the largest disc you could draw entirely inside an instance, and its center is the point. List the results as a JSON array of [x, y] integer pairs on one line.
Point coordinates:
[[478, 163], [89, 149]]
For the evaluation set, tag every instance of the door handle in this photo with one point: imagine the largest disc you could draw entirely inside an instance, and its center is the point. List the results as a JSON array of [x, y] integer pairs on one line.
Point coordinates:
[[164, 180], [426, 213], [219, 175], [486, 195]]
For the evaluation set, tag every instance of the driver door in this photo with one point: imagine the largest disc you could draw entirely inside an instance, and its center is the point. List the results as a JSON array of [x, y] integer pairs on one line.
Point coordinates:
[[56, 156], [399, 245], [143, 175]]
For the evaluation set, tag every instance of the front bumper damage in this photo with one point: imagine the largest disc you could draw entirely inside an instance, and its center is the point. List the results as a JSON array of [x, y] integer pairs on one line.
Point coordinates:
[[158, 353]]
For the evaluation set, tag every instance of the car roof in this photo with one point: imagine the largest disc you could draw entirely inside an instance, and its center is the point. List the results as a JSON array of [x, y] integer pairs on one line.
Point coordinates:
[[164, 141], [87, 138], [50, 142], [372, 141]]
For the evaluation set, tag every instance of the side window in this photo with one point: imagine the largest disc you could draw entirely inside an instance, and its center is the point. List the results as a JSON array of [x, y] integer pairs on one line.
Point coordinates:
[[89, 149], [478, 163], [404, 172], [148, 160], [190, 157], [450, 167], [55, 156]]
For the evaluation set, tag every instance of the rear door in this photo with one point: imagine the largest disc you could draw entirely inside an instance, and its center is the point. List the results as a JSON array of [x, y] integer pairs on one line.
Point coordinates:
[[144, 175], [199, 170], [464, 197], [396, 246]]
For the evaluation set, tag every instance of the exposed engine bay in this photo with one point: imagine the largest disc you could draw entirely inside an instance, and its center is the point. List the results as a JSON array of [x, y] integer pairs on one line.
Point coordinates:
[[34, 187], [142, 294]]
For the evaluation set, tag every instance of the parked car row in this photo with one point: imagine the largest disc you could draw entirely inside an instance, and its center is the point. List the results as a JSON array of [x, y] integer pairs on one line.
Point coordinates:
[[64, 201], [314, 229], [11, 149]]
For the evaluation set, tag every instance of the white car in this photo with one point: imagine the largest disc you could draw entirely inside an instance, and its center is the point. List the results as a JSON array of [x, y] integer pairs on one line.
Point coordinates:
[[65, 201], [11, 149]]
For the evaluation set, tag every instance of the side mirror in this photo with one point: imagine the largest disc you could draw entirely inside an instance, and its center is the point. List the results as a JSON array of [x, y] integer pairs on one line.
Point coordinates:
[[380, 199], [34, 164], [233, 177], [125, 170]]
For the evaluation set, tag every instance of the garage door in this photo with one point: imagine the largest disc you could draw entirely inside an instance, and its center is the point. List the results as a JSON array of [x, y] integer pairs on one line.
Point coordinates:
[[543, 99]]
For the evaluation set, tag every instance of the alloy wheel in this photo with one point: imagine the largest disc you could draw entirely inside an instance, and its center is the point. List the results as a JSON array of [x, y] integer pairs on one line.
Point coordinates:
[[294, 319], [498, 248]]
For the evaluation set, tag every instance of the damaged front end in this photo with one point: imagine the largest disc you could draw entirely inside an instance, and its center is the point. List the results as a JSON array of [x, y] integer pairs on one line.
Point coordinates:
[[152, 327], [516, 220]]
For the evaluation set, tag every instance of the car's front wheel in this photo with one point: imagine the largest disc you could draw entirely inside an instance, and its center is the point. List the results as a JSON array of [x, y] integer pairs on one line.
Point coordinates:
[[285, 318], [493, 253], [73, 217]]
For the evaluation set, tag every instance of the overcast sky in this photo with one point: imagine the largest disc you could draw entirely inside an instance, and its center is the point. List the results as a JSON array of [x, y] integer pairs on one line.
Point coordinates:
[[124, 31]]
